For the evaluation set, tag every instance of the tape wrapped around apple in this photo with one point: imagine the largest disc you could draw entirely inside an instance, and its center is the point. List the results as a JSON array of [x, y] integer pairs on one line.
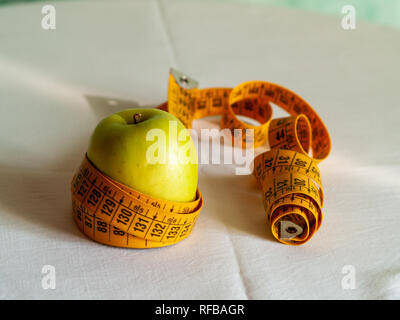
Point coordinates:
[[148, 150], [137, 184]]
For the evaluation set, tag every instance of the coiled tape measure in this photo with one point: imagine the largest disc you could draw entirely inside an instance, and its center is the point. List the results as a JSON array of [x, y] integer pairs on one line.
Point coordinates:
[[114, 214]]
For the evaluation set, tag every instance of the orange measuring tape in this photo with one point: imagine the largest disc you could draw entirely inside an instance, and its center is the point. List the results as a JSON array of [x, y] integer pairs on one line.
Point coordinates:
[[113, 214]]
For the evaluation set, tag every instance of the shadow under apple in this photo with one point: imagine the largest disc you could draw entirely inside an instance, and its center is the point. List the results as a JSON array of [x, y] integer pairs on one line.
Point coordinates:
[[37, 197]]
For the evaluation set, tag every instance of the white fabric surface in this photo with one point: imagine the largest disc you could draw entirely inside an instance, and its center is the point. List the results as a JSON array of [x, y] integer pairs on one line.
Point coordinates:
[[49, 81]]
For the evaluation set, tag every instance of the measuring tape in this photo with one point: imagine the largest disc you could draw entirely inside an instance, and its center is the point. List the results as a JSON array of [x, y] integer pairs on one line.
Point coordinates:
[[114, 214], [111, 213]]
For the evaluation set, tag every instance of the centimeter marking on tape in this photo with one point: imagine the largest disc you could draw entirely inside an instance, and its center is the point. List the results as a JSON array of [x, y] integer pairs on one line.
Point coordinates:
[[113, 214]]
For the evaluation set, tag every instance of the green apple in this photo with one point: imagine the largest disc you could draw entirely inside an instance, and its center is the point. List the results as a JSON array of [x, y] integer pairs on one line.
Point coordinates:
[[123, 146]]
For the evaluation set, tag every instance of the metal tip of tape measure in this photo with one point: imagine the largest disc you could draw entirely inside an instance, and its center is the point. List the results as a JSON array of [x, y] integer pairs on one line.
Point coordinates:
[[184, 80]]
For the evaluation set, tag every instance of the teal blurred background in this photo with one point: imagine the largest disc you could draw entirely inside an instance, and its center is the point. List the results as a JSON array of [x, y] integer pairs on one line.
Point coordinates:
[[384, 12]]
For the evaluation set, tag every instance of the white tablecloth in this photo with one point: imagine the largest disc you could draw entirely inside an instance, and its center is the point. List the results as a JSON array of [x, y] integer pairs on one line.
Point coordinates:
[[55, 86]]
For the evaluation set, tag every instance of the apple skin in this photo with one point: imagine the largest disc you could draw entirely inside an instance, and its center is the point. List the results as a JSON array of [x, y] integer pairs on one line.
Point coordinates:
[[118, 149]]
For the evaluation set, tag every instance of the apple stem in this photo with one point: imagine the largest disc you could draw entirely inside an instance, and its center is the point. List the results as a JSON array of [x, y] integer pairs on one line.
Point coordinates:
[[136, 118]]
